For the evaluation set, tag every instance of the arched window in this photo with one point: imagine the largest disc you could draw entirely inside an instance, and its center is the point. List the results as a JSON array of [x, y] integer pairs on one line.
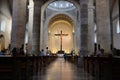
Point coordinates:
[[95, 34], [2, 26], [118, 26]]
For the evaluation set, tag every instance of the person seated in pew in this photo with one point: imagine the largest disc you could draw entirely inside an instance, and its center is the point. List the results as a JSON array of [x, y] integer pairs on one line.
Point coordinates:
[[42, 53], [116, 52], [22, 50], [47, 52], [2, 53], [73, 52], [15, 52], [7, 52]]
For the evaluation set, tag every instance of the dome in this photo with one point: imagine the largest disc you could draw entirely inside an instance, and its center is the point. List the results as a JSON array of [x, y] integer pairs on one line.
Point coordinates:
[[61, 5]]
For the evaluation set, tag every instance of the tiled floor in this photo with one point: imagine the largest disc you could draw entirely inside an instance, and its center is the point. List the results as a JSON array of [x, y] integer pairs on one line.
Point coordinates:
[[61, 70]]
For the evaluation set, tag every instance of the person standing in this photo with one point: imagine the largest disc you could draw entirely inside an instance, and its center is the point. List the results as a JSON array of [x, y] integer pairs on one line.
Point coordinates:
[[65, 56]]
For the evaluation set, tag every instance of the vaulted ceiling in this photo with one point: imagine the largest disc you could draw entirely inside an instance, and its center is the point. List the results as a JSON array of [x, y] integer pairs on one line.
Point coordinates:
[[112, 3], [61, 17]]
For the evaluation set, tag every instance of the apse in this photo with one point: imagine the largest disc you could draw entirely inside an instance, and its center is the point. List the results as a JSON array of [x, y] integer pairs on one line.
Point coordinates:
[[55, 41], [57, 18]]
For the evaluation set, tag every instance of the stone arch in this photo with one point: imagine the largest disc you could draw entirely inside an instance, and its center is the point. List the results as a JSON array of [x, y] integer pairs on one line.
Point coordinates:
[[43, 21], [76, 4], [75, 31], [67, 14], [70, 18], [54, 27]]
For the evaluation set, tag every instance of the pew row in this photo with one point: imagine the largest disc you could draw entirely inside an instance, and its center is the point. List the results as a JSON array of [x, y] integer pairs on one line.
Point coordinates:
[[22, 68], [103, 68]]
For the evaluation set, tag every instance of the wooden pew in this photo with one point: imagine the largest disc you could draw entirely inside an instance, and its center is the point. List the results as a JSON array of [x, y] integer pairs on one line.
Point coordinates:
[[116, 68], [103, 68], [22, 67], [12, 68], [72, 59], [6, 68]]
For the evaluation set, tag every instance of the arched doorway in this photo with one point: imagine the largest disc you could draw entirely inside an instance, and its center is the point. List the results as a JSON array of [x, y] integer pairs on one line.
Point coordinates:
[[2, 42]]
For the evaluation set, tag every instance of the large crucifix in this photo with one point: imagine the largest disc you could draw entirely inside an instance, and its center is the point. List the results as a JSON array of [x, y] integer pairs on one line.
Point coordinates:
[[61, 35]]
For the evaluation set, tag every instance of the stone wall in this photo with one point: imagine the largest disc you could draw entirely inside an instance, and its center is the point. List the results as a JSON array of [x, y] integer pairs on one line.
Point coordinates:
[[6, 18]]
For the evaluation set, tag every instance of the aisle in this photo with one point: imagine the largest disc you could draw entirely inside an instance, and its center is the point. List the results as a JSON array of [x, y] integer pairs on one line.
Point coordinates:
[[61, 70]]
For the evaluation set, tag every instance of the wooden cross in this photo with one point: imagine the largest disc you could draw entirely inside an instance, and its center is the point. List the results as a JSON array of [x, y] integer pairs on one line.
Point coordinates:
[[61, 35]]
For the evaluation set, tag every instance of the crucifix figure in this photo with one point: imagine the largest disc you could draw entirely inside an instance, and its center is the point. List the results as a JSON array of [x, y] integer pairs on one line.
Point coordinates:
[[61, 35]]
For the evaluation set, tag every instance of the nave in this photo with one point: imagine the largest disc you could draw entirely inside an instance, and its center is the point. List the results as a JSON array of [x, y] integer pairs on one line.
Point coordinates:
[[56, 68], [62, 70]]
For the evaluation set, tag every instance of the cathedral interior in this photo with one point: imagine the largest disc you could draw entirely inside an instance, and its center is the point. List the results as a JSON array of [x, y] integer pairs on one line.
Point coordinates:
[[85, 32]]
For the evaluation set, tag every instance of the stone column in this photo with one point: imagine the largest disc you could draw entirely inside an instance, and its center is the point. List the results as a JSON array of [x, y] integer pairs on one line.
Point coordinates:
[[45, 36], [77, 34], [18, 23], [36, 27], [30, 24], [73, 36], [91, 26], [41, 34], [84, 27], [103, 24]]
